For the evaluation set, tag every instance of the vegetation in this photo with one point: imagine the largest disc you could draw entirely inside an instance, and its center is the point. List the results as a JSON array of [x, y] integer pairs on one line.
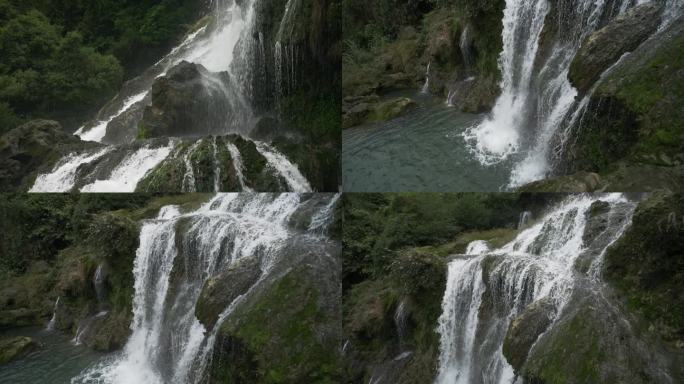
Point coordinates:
[[63, 59]]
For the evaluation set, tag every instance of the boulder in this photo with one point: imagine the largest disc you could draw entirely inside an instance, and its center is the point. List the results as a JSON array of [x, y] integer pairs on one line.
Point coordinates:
[[524, 331], [576, 183], [24, 149], [188, 101], [14, 348], [605, 46], [392, 108], [219, 291]]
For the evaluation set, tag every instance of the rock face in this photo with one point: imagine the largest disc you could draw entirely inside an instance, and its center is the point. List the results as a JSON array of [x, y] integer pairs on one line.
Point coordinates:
[[634, 116], [525, 330], [221, 290], [15, 348], [646, 265], [578, 182], [605, 46], [188, 101], [287, 328], [24, 149]]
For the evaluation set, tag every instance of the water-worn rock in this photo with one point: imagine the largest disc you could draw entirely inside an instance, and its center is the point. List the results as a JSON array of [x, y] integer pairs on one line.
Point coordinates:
[[605, 46], [219, 291], [524, 331], [16, 347], [188, 101], [578, 182], [24, 149]]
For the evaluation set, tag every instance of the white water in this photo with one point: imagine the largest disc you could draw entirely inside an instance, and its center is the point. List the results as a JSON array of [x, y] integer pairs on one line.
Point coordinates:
[[63, 175], [294, 178], [237, 165], [538, 264], [125, 177], [168, 343], [426, 86], [214, 48], [525, 218], [97, 133], [189, 176], [53, 319], [217, 167], [536, 94]]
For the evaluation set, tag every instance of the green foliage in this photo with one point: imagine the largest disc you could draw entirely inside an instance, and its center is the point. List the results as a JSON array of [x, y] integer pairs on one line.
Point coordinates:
[[37, 227], [317, 116], [377, 226], [63, 59]]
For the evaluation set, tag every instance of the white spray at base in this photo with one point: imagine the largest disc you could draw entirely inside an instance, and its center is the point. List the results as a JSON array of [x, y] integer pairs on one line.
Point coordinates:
[[536, 95], [168, 344], [539, 264]]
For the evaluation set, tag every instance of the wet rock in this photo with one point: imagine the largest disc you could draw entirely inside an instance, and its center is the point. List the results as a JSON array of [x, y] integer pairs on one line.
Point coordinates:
[[524, 331], [106, 331], [16, 347], [219, 291], [26, 148], [392, 108], [605, 46], [189, 100], [577, 183], [124, 128], [19, 317], [266, 129]]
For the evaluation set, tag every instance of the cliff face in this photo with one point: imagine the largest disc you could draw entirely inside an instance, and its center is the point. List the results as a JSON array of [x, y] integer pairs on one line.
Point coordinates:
[[448, 49]]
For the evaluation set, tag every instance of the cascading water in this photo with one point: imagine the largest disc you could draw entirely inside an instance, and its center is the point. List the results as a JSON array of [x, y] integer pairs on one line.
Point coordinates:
[[539, 264], [189, 176], [63, 175], [168, 343], [53, 319], [525, 218], [426, 86], [237, 165], [536, 95], [284, 167]]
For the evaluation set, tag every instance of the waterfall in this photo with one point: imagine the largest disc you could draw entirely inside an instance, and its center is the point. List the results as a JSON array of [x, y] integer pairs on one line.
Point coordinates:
[[53, 319], [189, 175], [464, 45], [536, 95], [525, 218], [214, 46], [294, 178], [98, 283], [400, 317], [538, 264], [126, 175], [237, 165], [63, 174], [426, 86], [217, 167], [168, 344]]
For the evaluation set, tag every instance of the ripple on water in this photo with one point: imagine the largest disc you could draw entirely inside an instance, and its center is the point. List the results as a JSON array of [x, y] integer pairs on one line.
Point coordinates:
[[424, 150]]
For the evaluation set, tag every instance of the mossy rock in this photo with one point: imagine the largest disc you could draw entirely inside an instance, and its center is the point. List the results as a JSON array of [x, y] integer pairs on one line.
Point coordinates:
[[646, 266], [15, 348], [278, 336]]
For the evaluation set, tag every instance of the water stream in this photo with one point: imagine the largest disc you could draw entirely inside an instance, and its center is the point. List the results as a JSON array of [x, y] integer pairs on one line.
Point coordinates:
[[539, 264], [168, 343]]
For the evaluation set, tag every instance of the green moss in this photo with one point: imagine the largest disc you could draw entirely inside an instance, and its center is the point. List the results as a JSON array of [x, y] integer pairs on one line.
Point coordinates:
[[278, 329], [202, 160], [142, 132], [646, 267]]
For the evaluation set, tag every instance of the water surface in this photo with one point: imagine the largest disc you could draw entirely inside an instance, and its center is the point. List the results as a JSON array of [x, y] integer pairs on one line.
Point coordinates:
[[55, 363], [423, 150]]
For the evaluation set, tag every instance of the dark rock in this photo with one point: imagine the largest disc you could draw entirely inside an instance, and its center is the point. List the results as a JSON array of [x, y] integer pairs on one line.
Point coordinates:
[[266, 129], [524, 331], [219, 291], [124, 128], [605, 46], [16, 347], [576, 183], [188, 101], [26, 148], [106, 332], [392, 108]]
